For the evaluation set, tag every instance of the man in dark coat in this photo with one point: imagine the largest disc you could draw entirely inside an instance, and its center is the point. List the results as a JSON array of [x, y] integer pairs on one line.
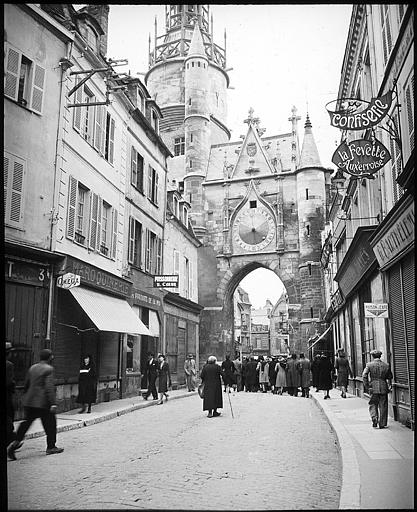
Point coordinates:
[[273, 374], [211, 377], [244, 370], [325, 375], [39, 402], [152, 374], [315, 371], [228, 369], [251, 375]]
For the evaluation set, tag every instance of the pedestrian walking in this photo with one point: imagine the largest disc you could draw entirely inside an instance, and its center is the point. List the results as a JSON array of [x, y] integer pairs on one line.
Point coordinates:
[[281, 379], [190, 372], [304, 368], [39, 402], [315, 371], [273, 374], [228, 369], [251, 375], [263, 373], [325, 376], [293, 376], [211, 377], [10, 390], [164, 378], [343, 371], [377, 377], [152, 374], [87, 384], [244, 371], [238, 373]]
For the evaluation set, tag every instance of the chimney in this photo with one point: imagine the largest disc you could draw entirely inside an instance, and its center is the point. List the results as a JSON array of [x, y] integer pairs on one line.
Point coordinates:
[[101, 14]]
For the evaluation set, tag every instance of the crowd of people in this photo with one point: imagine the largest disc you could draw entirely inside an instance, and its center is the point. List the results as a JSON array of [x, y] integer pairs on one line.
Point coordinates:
[[286, 374]]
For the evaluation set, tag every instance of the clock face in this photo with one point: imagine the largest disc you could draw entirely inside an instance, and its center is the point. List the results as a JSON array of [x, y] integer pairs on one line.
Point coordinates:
[[253, 229]]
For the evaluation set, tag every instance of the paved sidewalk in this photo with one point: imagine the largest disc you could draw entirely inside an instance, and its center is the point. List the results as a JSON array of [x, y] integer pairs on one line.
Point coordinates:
[[378, 464]]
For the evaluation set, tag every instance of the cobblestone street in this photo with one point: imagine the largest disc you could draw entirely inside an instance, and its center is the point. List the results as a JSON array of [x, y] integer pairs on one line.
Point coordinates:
[[278, 452]]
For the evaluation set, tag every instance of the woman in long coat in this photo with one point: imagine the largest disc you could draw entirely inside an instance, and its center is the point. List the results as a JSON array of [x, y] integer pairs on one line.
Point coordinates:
[[325, 375], [343, 371], [228, 374], [164, 378], [281, 381], [315, 371], [293, 377], [87, 384], [211, 377], [250, 376], [263, 372]]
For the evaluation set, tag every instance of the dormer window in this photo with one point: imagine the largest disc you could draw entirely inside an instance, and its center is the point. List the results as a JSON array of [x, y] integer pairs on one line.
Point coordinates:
[[91, 37], [185, 215], [176, 206], [154, 121], [140, 101]]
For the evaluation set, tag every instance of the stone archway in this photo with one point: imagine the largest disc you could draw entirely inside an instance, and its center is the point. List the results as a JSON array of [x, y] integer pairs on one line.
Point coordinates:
[[219, 320]]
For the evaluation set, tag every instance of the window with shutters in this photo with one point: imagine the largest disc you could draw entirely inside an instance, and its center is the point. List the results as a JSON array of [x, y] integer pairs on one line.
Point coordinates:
[[88, 120], [106, 229], [409, 109], [153, 253], [24, 80], [78, 211], [153, 185], [135, 242], [137, 169], [14, 169], [386, 31]]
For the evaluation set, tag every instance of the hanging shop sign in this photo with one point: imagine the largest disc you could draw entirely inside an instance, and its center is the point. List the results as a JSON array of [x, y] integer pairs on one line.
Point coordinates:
[[166, 281], [361, 158], [68, 281], [355, 114], [373, 310]]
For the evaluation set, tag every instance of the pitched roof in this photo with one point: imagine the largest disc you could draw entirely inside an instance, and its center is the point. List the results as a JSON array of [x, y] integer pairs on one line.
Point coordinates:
[[197, 46], [309, 153]]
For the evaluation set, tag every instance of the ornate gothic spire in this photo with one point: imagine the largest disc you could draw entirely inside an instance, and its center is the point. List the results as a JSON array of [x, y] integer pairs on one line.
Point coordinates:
[[309, 153]]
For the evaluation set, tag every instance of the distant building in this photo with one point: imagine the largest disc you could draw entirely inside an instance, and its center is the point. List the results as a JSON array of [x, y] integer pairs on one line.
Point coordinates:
[[242, 316], [279, 326], [260, 323]]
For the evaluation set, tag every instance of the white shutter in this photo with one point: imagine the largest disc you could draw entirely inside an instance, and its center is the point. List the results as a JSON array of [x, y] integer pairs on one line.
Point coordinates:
[[148, 250], [149, 194], [12, 72], [98, 127], [99, 219], [177, 269], [133, 167], [114, 233], [111, 140], [15, 183], [72, 205], [93, 221], [159, 256], [38, 86], [156, 187], [77, 110], [190, 279], [131, 248], [6, 166]]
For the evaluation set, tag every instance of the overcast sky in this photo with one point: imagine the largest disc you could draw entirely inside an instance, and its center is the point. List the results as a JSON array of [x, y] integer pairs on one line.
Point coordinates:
[[281, 55]]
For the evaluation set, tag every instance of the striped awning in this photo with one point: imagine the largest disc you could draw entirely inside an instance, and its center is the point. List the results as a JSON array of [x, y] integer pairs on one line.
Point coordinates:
[[109, 313]]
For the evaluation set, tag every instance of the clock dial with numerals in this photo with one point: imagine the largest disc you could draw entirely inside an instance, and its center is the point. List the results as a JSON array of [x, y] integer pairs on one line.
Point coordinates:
[[253, 229]]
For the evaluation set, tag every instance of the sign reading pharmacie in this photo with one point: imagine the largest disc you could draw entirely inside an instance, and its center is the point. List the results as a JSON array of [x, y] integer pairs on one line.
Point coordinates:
[[168, 281], [361, 158]]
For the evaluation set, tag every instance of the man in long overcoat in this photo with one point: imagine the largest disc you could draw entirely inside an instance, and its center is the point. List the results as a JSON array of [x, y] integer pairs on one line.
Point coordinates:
[[251, 375], [377, 377], [304, 367], [326, 371], [211, 377], [293, 377]]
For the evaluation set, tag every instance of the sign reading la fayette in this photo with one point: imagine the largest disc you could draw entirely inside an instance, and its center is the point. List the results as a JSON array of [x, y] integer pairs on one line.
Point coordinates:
[[361, 157], [355, 114]]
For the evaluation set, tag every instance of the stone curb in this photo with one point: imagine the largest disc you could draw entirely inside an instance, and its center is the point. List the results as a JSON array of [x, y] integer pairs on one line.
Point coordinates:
[[351, 483], [105, 417]]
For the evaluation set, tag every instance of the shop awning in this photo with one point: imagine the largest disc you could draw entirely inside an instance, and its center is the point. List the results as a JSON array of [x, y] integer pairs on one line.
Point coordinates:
[[153, 323], [109, 313], [320, 337]]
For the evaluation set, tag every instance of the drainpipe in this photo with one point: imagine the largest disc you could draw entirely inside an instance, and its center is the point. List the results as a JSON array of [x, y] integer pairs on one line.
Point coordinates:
[[54, 211]]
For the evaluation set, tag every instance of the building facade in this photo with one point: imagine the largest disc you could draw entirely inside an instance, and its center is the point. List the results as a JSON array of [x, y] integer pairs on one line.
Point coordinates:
[[368, 249], [279, 327]]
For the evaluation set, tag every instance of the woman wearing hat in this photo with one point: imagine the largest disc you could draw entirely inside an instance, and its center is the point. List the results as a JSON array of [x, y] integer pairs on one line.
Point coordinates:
[[343, 371], [211, 377], [164, 378], [87, 384]]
